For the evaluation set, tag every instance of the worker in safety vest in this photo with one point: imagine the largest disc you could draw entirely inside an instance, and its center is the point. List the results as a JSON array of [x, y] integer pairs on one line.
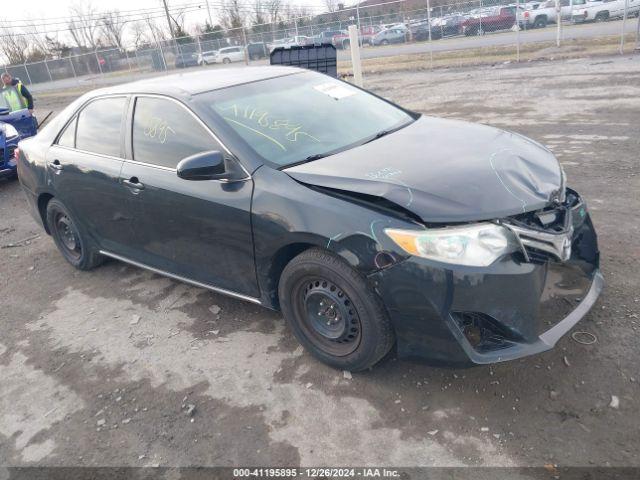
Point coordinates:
[[16, 94]]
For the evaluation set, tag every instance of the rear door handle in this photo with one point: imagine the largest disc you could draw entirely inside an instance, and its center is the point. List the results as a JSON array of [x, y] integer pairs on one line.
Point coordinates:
[[56, 165], [134, 183]]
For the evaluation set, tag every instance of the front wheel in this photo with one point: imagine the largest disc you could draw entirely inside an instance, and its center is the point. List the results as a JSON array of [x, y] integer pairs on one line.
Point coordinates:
[[75, 246], [384, 42], [332, 311], [226, 61]]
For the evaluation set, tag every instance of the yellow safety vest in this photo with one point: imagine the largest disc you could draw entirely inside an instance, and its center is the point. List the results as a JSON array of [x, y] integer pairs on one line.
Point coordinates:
[[13, 95]]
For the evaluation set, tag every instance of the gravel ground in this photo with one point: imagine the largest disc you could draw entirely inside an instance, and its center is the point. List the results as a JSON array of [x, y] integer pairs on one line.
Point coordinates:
[[101, 368]]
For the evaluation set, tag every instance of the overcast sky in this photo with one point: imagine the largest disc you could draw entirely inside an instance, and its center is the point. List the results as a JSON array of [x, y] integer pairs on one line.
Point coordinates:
[[50, 11]]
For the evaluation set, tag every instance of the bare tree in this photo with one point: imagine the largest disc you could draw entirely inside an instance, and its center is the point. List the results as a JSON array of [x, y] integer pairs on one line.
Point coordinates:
[[259, 12], [331, 5], [112, 26], [157, 33], [232, 15], [13, 45], [273, 8], [84, 25]]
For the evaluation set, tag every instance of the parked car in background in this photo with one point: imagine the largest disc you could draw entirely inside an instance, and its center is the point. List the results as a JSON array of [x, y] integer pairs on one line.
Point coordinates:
[[186, 59], [448, 25], [600, 11], [296, 41], [257, 50], [229, 54], [366, 36], [538, 16], [15, 125], [205, 58], [327, 36], [490, 20], [368, 225], [391, 35]]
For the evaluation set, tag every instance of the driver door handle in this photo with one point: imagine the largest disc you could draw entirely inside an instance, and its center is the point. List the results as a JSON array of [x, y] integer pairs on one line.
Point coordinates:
[[134, 183], [56, 165]]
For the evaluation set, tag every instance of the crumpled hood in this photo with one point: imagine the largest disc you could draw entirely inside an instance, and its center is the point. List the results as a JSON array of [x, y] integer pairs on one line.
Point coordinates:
[[444, 171]]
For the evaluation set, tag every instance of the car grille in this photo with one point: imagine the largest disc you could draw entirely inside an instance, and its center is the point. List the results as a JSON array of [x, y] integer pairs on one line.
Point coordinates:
[[547, 235], [9, 153]]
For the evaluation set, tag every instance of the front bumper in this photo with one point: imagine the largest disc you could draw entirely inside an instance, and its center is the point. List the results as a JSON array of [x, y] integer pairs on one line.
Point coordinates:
[[461, 316]]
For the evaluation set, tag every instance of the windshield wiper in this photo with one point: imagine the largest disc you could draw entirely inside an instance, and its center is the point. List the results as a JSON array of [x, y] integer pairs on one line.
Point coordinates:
[[316, 156], [378, 135]]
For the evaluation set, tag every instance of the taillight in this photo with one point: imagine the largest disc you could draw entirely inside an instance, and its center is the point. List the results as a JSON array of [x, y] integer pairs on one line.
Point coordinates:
[[526, 14], [16, 153]]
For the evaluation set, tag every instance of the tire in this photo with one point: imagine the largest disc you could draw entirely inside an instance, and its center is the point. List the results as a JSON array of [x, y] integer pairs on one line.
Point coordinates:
[[74, 244], [540, 22], [351, 331], [384, 42], [226, 61], [602, 16], [346, 44]]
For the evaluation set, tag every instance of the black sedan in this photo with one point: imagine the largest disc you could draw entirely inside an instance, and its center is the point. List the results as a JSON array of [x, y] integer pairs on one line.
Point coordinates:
[[367, 225]]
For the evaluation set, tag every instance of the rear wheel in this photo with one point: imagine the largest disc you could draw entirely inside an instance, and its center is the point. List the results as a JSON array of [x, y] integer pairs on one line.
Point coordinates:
[[540, 22], [333, 312], [384, 42], [226, 60], [76, 247], [602, 16]]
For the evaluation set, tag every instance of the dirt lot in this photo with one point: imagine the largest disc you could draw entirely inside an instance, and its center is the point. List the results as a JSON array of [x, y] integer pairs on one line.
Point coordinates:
[[100, 368]]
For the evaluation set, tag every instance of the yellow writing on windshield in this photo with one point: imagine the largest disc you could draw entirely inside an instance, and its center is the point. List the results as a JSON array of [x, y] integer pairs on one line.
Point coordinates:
[[265, 121]]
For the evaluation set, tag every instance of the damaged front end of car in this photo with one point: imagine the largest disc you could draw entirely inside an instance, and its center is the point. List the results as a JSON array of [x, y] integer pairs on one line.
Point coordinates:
[[538, 279]]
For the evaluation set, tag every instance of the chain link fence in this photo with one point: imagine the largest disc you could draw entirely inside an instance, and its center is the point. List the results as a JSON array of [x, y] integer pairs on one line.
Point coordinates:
[[443, 33]]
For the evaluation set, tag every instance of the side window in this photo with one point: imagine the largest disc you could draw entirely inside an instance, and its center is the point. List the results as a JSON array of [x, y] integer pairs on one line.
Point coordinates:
[[164, 133], [68, 136], [99, 126]]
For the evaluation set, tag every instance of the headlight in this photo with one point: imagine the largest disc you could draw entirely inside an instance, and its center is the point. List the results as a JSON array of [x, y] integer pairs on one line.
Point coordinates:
[[10, 131], [477, 245]]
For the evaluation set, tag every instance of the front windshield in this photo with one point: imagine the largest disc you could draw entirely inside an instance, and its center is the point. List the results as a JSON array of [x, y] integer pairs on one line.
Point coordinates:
[[294, 118]]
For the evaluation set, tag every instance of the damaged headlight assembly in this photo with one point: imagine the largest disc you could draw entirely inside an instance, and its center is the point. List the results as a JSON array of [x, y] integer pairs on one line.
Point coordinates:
[[477, 245]]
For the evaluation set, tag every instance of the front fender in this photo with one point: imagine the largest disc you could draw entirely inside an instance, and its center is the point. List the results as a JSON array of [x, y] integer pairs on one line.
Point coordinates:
[[288, 217]]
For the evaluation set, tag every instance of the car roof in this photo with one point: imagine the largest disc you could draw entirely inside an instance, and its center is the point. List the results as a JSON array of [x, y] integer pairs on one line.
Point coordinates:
[[192, 83]]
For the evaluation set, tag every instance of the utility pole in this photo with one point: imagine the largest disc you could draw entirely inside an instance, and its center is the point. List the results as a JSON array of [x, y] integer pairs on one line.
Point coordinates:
[[624, 24], [209, 13], [166, 11]]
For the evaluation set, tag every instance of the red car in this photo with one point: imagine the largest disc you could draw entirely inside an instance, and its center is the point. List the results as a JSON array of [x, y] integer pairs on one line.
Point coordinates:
[[366, 37], [489, 20]]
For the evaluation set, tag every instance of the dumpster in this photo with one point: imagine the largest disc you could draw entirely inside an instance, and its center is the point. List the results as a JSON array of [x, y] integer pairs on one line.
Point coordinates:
[[321, 58]]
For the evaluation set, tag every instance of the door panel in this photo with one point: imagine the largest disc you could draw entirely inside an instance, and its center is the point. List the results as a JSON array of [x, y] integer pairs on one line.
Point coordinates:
[[84, 170], [88, 185], [195, 229]]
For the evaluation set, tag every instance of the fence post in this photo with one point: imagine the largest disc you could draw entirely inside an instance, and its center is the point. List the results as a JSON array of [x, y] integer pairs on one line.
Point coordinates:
[[98, 60], [128, 60], [355, 55], [558, 23], [245, 48], [48, 71], [26, 69], [624, 23], [480, 31], [135, 53], [429, 30], [73, 69], [518, 31], [638, 34]]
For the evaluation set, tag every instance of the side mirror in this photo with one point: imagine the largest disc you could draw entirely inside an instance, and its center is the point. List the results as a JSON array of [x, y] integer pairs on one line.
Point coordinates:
[[202, 166]]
